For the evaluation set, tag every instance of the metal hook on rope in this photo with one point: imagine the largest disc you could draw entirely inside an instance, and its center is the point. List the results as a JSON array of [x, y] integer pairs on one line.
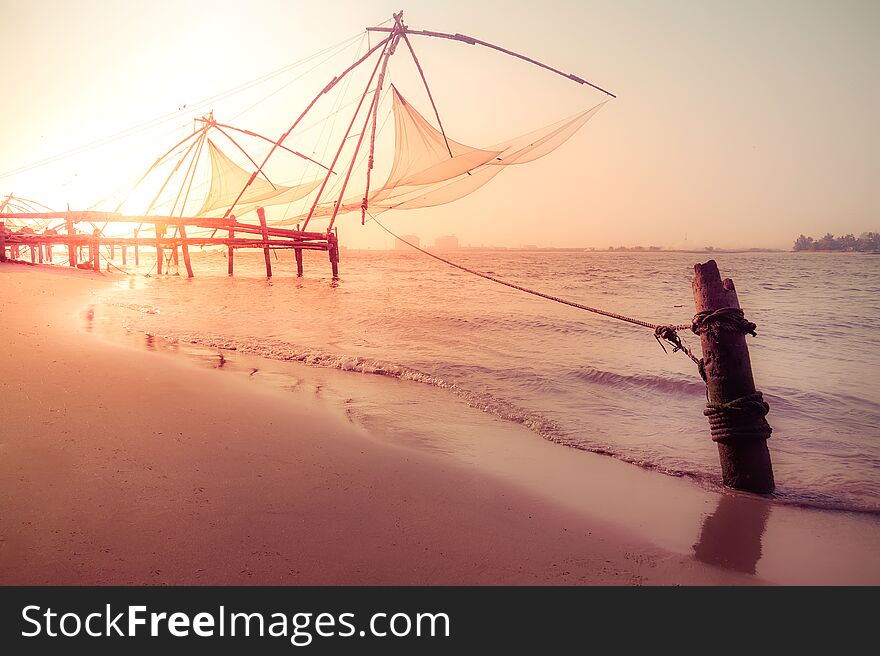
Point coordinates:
[[670, 334]]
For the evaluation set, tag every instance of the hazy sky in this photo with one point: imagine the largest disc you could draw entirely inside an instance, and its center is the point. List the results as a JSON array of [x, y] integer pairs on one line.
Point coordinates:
[[737, 123]]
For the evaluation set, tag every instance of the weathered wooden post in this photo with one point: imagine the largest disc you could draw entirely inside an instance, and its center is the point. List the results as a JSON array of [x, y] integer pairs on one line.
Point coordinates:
[[735, 409], [185, 248], [2, 241], [333, 251], [261, 214], [124, 250], [137, 255], [71, 247], [93, 250], [298, 254], [230, 254], [160, 254]]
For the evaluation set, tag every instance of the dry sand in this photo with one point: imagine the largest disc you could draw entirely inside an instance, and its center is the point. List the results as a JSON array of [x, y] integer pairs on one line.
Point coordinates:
[[121, 466]]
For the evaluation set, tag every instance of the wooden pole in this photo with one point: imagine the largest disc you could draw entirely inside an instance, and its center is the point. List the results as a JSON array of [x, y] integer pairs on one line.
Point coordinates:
[[71, 248], [261, 213], [333, 252], [230, 255], [40, 252], [93, 250], [185, 248], [735, 409], [298, 254], [160, 254], [2, 241], [124, 250], [137, 255]]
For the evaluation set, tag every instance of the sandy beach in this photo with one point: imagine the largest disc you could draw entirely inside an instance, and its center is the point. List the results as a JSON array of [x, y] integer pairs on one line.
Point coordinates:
[[122, 466]]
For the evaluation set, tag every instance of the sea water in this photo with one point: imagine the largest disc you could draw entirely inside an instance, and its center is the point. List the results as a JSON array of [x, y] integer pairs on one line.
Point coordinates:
[[571, 377]]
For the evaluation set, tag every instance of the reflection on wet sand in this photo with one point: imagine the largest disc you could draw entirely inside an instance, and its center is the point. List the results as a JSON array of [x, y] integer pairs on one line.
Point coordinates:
[[731, 536]]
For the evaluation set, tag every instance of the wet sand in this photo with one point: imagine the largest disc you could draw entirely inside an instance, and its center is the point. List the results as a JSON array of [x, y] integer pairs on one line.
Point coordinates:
[[122, 466]]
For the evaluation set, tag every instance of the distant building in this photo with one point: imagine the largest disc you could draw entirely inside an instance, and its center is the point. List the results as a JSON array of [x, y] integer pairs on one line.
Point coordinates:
[[446, 243], [400, 246]]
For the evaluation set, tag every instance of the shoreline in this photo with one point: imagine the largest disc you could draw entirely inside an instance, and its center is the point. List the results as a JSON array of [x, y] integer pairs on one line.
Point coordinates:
[[331, 500]]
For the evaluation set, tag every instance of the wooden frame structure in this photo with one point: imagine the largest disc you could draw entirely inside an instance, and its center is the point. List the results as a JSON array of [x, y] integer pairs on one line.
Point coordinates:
[[264, 236], [261, 236]]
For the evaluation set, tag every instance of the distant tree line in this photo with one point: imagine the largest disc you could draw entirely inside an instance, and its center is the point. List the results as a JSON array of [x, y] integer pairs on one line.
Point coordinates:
[[867, 241]]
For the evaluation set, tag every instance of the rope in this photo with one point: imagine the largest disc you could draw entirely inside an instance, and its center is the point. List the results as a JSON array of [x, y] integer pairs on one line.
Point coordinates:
[[742, 418], [665, 332], [729, 318]]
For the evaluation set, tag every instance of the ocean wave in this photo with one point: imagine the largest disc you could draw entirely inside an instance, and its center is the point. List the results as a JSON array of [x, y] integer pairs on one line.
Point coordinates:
[[667, 384]]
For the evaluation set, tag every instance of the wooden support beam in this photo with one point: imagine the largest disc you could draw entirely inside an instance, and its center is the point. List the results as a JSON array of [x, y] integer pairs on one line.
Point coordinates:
[[735, 409], [298, 254], [71, 252], [93, 250], [2, 241], [185, 248], [333, 252], [160, 254], [137, 255], [124, 250], [261, 214], [230, 253]]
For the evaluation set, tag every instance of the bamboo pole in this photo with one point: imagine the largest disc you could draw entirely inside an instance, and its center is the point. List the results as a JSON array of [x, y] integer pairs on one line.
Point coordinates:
[[336, 79], [740, 430], [391, 41], [261, 214]]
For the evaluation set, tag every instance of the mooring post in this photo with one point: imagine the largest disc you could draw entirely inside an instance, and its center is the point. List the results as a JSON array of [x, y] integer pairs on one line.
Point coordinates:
[[124, 250], [261, 213], [40, 251], [71, 248], [333, 251], [2, 241], [735, 409]]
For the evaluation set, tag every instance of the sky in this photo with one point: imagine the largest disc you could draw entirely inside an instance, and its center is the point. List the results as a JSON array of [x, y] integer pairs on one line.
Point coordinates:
[[736, 124]]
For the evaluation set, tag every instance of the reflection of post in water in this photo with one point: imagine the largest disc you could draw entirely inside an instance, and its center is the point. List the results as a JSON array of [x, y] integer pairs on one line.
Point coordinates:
[[731, 536]]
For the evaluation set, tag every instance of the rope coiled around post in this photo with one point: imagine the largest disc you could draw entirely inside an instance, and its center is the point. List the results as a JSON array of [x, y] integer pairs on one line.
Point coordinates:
[[728, 318], [741, 419]]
